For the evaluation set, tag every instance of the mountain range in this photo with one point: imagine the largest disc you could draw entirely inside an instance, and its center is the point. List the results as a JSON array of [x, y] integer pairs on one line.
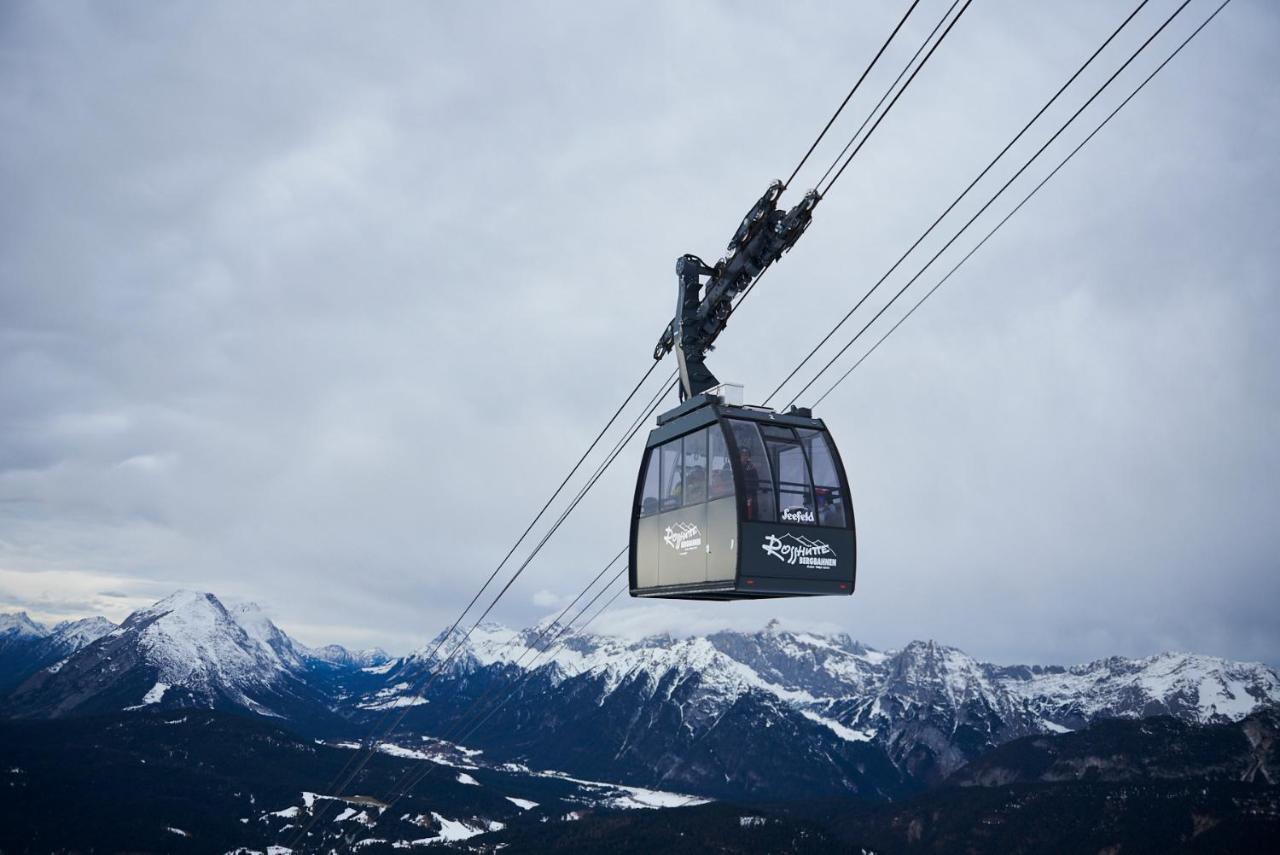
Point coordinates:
[[532, 745], [767, 714]]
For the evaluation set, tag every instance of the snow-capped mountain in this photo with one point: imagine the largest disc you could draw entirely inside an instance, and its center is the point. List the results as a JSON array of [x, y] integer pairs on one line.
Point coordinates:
[[927, 708], [26, 646], [20, 625], [75, 634], [336, 654], [187, 650], [767, 714], [293, 654]]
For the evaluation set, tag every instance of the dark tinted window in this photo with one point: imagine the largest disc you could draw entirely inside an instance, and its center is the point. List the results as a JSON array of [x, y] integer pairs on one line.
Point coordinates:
[[721, 468], [791, 469], [828, 495], [753, 465], [695, 468], [649, 495], [671, 485]]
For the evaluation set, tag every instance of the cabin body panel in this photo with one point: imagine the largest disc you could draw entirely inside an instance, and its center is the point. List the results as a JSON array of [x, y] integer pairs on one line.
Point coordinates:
[[722, 539]]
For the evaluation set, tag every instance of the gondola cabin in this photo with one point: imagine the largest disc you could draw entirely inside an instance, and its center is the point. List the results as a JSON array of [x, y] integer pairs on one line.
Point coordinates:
[[738, 502]]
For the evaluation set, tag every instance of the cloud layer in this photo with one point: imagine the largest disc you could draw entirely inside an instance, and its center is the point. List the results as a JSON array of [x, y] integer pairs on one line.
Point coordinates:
[[313, 306]]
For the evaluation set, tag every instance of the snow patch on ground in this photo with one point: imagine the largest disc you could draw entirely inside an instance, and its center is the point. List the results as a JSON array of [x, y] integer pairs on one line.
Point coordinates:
[[394, 703], [848, 734], [400, 751], [452, 830], [464, 778], [154, 695], [523, 804], [623, 796]]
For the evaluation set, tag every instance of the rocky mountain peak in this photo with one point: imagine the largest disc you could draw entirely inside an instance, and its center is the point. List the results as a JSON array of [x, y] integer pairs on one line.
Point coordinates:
[[20, 624], [75, 634], [254, 621]]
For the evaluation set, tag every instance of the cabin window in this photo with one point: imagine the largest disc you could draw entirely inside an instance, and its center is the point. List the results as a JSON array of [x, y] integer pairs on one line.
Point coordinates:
[[828, 494], [720, 466], [672, 478], [791, 468], [650, 495], [695, 468], [753, 466]]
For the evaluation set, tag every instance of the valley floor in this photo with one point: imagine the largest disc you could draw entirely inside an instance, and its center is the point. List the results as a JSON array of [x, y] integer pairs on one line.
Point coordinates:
[[200, 781]]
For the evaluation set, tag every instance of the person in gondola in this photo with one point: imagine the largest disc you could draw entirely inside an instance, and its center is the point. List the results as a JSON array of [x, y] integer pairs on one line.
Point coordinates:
[[722, 481], [750, 481], [829, 512], [696, 486]]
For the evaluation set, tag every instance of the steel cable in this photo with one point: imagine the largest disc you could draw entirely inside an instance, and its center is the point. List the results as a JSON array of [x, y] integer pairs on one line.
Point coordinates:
[[955, 202], [861, 78], [1024, 201], [990, 201]]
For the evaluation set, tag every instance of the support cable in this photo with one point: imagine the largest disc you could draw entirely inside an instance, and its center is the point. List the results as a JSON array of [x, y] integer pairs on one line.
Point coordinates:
[[369, 746], [919, 67], [990, 201], [1024, 201], [889, 91], [861, 78], [956, 201]]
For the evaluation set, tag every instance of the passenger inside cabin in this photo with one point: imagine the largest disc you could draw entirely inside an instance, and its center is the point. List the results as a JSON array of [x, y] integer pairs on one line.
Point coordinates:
[[829, 512], [722, 481], [696, 485]]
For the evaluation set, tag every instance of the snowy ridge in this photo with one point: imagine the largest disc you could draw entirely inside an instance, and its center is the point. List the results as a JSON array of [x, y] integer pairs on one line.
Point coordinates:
[[250, 618], [336, 654], [192, 641], [930, 706], [74, 634], [1204, 689], [20, 625], [185, 650]]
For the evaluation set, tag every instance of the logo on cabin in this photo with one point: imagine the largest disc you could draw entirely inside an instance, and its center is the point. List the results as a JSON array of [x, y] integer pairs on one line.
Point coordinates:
[[805, 551], [683, 537], [797, 514]]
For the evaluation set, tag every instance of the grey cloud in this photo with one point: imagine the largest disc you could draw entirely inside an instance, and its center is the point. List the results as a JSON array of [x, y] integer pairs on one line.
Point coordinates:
[[313, 306]]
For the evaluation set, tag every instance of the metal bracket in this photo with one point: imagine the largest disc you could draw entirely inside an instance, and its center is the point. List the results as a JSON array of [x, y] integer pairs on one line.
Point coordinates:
[[703, 308]]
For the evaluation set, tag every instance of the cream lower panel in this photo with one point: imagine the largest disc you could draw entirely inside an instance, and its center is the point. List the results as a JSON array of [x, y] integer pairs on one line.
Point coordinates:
[[648, 546], [682, 540], [722, 539]]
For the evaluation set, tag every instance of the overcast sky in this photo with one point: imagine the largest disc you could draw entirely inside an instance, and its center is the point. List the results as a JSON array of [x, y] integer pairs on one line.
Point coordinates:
[[314, 304]]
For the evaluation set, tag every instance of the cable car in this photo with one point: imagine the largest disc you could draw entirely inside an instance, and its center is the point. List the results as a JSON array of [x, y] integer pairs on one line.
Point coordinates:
[[739, 502], [732, 501]]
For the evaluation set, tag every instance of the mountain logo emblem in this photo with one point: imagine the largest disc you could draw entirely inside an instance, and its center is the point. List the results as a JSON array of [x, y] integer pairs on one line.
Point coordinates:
[[683, 537], [805, 551]]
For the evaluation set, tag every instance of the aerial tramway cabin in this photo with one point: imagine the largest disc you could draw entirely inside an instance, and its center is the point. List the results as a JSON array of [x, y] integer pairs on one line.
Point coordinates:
[[740, 502]]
